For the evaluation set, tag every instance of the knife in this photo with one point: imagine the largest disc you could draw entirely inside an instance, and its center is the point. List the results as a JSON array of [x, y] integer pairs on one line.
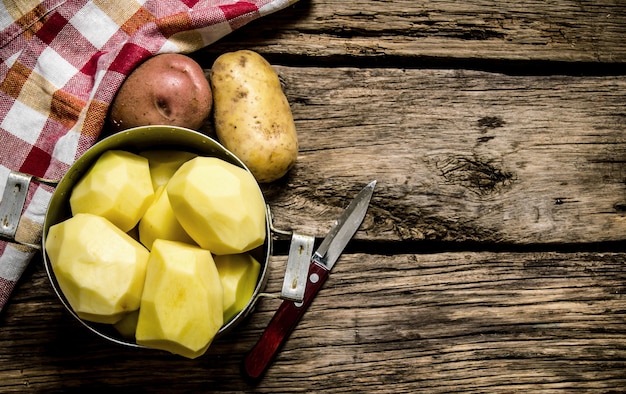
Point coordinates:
[[289, 313]]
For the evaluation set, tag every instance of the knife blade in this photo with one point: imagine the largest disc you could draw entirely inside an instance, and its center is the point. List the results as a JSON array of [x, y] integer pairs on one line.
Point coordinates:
[[289, 313]]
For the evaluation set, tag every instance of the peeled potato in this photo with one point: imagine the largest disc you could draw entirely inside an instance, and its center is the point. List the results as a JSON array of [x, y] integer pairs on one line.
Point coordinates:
[[159, 222], [181, 305], [239, 274], [100, 269], [127, 325], [167, 89], [252, 115], [118, 187], [218, 204], [164, 163]]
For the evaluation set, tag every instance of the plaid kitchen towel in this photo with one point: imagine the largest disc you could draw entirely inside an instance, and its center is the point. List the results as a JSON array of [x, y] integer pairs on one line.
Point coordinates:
[[61, 63]]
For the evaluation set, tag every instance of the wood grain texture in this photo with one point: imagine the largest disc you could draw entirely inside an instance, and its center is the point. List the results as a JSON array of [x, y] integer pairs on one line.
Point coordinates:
[[363, 30], [436, 323], [492, 258], [459, 155]]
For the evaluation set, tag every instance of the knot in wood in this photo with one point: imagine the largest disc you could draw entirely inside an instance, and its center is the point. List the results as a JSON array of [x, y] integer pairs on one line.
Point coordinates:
[[478, 175]]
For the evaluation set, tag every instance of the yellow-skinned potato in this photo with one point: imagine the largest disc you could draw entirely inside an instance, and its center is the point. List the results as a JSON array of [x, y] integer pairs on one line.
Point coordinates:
[[252, 115]]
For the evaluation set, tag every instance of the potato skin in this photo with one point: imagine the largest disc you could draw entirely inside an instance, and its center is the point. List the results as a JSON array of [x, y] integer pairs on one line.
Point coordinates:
[[252, 115], [167, 89]]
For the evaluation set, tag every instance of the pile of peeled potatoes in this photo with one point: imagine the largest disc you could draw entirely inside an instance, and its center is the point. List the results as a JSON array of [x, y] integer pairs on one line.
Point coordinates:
[[242, 95]]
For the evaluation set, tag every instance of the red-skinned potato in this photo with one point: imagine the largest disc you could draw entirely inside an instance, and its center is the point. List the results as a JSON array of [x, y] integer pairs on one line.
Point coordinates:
[[167, 89]]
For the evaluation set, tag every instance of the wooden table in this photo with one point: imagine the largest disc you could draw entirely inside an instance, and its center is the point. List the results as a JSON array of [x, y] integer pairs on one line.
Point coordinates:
[[493, 256]]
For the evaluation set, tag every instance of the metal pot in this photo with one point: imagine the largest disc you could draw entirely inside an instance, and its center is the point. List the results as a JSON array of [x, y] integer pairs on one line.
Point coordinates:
[[136, 140]]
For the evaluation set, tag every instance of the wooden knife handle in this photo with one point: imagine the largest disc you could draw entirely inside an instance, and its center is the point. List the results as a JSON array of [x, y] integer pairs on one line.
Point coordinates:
[[284, 321]]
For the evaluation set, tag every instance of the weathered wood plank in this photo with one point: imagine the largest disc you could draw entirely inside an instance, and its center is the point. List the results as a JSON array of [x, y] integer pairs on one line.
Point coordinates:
[[448, 322], [321, 31], [459, 155], [488, 158]]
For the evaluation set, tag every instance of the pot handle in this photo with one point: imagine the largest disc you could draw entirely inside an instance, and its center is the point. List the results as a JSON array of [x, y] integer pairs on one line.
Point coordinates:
[[13, 200]]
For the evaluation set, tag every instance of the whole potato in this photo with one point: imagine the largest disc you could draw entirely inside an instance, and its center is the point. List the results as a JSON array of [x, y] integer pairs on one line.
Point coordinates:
[[252, 115], [167, 89]]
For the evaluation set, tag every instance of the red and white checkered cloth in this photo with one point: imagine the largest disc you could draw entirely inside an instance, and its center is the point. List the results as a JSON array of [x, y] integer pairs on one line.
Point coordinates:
[[61, 63]]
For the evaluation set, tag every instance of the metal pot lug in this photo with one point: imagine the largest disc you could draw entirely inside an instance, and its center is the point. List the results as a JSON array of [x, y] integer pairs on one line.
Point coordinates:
[[12, 204], [300, 253]]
